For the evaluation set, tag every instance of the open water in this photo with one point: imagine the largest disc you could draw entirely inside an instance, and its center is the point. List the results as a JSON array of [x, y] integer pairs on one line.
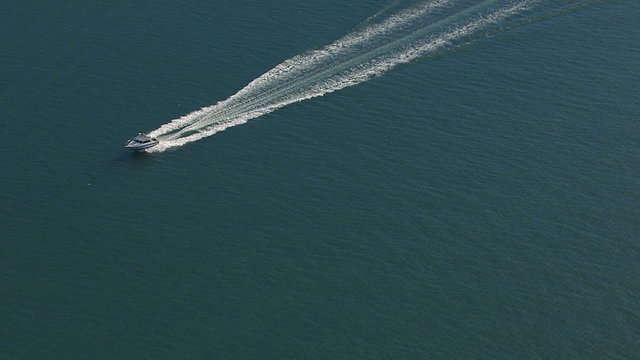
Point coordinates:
[[438, 179]]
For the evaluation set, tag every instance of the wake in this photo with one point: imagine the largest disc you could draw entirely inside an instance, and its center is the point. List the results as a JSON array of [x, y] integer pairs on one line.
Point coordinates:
[[428, 28]]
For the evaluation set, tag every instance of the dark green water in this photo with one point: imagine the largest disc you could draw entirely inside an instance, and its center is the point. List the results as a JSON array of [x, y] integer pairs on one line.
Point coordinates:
[[480, 203]]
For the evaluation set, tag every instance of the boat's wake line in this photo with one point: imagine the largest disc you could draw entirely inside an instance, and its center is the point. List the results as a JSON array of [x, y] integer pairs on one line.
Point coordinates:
[[425, 29]]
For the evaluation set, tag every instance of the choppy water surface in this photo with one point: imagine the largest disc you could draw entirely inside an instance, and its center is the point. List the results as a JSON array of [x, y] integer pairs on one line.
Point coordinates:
[[470, 192]]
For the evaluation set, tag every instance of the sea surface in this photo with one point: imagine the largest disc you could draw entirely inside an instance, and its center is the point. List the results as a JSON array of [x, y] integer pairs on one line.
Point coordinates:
[[414, 180]]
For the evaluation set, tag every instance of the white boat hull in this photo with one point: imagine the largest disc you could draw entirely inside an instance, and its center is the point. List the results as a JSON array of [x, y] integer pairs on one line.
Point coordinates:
[[141, 142], [141, 146]]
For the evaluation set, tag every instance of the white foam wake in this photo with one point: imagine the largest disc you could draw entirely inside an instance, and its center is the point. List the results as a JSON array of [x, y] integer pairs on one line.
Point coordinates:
[[412, 33]]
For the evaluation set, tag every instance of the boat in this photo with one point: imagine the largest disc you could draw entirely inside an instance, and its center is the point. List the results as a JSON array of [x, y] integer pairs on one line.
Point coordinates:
[[141, 142]]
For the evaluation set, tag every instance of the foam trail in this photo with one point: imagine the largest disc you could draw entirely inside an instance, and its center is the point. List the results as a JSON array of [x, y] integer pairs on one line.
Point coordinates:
[[421, 30], [301, 63]]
